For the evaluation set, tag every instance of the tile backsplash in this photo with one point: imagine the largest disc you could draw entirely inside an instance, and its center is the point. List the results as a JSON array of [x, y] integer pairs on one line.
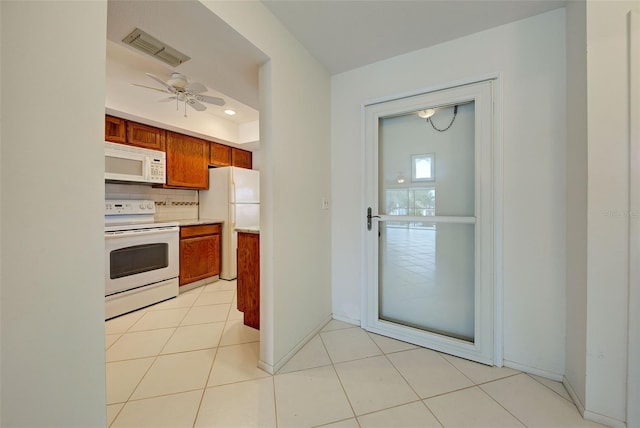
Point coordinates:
[[171, 204]]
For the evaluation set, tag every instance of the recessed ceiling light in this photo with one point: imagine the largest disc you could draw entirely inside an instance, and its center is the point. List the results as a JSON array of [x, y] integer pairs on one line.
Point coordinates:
[[230, 112]]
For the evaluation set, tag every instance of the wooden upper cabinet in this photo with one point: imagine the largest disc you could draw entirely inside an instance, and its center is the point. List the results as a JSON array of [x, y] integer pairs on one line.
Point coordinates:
[[188, 158], [220, 155], [115, 130], [145, 136], [187, 161], [241, 158]]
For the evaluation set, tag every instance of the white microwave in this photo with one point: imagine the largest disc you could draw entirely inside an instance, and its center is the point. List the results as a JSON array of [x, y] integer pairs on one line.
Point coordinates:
[[134, 164]]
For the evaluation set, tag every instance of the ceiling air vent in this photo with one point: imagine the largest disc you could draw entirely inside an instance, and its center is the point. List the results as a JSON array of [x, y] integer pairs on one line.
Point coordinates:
[[154, 47]]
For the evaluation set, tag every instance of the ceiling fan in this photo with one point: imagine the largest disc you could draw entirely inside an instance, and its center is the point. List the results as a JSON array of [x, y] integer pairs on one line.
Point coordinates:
[[181, 90]]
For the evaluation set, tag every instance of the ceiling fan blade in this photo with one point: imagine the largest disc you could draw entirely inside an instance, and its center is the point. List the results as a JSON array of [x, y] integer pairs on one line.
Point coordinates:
[[210, 100], [170, 88], [197, 105], [164, 91], [196, 88]]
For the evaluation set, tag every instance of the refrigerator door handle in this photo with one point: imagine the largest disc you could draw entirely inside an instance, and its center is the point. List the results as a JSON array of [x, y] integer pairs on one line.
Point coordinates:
[[232, 186], [232, 196], [232, 217]]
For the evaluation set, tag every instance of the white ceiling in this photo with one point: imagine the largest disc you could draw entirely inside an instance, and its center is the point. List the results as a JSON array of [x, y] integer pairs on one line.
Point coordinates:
[[341, 34], [346, 34]]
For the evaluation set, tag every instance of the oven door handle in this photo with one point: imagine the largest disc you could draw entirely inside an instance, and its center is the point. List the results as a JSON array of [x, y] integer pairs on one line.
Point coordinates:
[[143, 232]]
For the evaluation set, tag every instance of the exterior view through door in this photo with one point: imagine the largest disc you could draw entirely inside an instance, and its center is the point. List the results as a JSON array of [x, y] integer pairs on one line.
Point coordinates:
[[430, 220]]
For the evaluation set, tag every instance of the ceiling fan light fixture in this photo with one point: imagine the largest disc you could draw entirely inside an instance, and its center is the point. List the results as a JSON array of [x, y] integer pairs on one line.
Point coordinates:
[[184, 91], [178, 80]]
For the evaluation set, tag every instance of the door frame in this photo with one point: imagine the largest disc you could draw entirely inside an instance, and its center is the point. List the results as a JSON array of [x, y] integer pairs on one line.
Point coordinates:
[[492, 353], [633, 348]]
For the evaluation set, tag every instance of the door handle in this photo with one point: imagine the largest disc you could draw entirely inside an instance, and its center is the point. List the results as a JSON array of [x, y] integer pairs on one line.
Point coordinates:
[[369, 217], [146, 232]]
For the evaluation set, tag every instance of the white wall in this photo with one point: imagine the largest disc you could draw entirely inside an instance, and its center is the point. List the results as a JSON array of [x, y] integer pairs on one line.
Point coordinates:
[[295, 174], [576, 342], [633, 361], [530, 56], [255, 160], [53, 65], [608, 209]]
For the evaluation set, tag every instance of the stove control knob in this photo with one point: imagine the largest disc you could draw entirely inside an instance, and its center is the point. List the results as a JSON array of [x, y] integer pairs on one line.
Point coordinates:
[[142, 206], [149, 205]]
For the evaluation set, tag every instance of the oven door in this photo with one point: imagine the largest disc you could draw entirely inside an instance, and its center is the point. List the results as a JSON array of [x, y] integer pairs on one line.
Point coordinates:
[[135, 258]]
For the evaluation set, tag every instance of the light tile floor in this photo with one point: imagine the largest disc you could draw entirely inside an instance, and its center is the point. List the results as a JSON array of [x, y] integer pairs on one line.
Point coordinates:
[[190, 362]]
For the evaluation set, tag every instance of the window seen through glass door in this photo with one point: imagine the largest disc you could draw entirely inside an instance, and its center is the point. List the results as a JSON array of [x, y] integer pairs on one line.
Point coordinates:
[[415, 201]]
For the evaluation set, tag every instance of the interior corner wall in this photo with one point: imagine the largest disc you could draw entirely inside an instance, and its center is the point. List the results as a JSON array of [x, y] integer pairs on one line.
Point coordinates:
[[576, 346], [529, 55], [608, 210], [633, 360], [0, 215], [53, 372], [295, 171]]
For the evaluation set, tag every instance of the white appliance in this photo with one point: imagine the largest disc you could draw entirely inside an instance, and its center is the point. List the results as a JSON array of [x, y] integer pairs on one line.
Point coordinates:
[[129, 163], [234, 197], [141, 257]]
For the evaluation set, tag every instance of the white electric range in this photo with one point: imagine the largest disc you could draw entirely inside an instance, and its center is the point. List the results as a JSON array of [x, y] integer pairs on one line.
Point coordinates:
[[141, 257]]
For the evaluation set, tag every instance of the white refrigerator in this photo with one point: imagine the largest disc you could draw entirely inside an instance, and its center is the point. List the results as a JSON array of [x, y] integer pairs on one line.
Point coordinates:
[[234, 197]]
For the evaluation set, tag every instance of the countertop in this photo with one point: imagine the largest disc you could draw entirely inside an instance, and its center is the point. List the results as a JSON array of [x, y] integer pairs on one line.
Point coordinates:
[[251, 229], [198, 221]]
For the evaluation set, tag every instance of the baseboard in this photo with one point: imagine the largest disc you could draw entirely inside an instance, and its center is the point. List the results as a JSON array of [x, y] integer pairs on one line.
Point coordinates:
[[266, 367], [588, 415], [533, 370], [572, 393], [196, 284], [602, 419], [347, 320], [284, 360]]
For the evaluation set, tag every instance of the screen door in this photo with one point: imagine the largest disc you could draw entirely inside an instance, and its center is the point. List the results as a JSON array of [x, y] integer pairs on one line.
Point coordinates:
[[429, 220]]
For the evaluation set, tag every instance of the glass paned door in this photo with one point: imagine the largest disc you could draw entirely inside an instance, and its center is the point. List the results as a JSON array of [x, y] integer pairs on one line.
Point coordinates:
[[430, 248]]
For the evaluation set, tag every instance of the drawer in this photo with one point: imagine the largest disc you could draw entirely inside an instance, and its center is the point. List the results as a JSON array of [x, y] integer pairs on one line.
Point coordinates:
[[200, 230]]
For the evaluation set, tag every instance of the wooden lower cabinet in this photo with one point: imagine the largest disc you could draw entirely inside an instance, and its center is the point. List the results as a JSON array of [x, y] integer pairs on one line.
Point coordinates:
[[248, 282], [200, 252]]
